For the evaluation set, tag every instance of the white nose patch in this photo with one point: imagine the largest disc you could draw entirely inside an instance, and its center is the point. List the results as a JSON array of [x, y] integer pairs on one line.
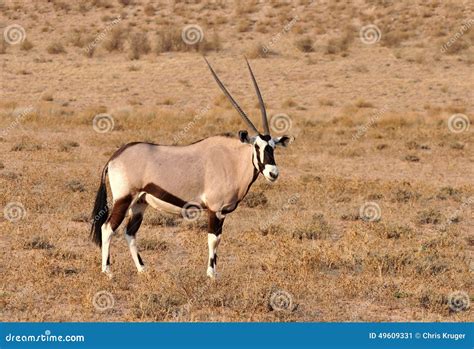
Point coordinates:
[[270, 169]]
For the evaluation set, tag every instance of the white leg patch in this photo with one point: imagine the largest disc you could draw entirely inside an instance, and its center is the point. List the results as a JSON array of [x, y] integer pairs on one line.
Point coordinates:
[[106, 237], [132, 245], [212, 242]]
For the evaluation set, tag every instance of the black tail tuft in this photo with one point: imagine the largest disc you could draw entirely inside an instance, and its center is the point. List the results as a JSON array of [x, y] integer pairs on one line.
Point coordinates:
[[100, 212]]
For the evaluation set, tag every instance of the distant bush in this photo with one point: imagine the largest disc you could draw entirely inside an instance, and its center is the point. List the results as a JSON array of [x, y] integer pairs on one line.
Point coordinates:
[[55, 48], [26, 45], [305, 44], [139, 45], [115, 40]]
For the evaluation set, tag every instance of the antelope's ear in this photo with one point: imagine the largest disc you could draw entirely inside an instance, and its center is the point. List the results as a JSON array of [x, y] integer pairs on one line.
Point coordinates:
[[244, 136], [283, 141]]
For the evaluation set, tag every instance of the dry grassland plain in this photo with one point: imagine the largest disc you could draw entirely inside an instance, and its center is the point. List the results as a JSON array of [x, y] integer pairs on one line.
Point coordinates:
[[370, 220]]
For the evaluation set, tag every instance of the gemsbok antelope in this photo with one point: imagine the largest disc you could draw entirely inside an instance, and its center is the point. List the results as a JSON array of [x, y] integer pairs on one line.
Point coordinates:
[[213, 174]]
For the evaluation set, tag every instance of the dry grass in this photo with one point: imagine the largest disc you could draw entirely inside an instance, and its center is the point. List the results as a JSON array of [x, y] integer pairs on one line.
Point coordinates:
[[259, 50], [169, 40], [116, 40], [56, 48], [394, 38], [305, 44], [139, 45], [340, 44], [405, 256], [361, 103], [3, 46], [370, 123]]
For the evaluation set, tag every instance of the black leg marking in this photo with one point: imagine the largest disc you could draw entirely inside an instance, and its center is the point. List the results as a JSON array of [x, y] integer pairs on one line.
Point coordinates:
[[215, 224], [108, 260], [214, 228], [140, 260], [118, 211], [134, 224], [213, 261]]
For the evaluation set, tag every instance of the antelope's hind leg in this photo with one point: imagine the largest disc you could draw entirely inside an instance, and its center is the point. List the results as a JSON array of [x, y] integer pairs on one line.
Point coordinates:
[[136, 211], [213, 239], [110, 226]]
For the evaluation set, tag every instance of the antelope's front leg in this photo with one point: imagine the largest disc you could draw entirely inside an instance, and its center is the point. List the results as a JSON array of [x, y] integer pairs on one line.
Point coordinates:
[[213, 238]]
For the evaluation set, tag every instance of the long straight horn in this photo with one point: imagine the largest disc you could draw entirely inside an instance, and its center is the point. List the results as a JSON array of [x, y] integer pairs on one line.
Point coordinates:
[[263, 111], [234, 103]]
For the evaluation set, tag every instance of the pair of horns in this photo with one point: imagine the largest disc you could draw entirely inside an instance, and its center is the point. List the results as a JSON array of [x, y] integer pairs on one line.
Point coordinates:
[[266, 130]]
